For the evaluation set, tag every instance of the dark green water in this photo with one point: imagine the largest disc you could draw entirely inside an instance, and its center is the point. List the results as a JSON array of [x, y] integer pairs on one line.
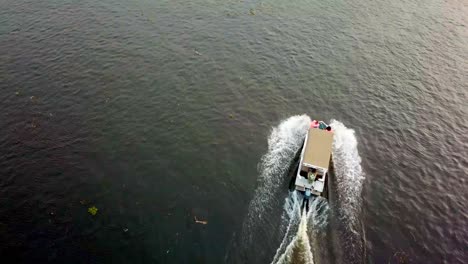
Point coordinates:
[[159, 111]]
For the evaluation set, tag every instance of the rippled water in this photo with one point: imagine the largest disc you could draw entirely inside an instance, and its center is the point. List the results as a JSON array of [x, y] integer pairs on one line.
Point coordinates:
[[157, 112]]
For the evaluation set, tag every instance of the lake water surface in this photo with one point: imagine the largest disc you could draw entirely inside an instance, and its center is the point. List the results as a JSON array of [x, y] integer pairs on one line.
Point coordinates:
[[162, 112]]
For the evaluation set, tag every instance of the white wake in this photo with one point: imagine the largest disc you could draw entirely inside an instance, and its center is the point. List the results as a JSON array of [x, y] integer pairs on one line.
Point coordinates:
[[283, 144], [348, 171]]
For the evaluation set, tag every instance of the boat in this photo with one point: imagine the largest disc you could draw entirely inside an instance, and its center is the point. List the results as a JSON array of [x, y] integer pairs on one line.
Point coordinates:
[[312, 171]]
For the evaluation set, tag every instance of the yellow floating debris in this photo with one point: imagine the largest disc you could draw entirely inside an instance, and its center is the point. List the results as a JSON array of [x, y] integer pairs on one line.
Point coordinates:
[[93, 210]]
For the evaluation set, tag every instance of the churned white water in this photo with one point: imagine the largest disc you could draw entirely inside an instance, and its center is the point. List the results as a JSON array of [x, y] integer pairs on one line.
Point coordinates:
[[348, 171], [283, 144], [291, 217], [299, 250]]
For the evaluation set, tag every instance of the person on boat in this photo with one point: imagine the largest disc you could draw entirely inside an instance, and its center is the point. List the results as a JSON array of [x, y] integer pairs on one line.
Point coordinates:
[[312, 174], [328, 128], [322, 125], [315, 124], [306, 200]]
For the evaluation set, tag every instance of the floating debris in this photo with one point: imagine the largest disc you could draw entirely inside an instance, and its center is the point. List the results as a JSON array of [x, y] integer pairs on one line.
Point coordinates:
[[17, 93], [231, 14], [93, 210], [401, 257], [252, 12], [125, 230], [200, 221], [231, 116]]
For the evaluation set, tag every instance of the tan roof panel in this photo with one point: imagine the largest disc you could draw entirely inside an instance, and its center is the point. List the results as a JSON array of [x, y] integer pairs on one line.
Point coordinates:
[[318, 148]]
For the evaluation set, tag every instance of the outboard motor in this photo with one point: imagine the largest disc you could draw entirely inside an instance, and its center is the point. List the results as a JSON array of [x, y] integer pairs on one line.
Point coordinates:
[[305, 201]]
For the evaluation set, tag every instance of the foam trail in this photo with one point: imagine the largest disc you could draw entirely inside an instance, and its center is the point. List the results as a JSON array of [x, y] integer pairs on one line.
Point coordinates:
[[299, 249], [319, 211], [283, 144], [348, 172], [291, 216]]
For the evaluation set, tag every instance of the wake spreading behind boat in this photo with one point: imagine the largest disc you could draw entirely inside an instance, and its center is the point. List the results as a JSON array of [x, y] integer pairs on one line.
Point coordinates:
[[315, 160]]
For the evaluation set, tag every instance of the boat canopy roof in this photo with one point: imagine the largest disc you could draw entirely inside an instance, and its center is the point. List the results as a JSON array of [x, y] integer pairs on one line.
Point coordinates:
[[318, 148]]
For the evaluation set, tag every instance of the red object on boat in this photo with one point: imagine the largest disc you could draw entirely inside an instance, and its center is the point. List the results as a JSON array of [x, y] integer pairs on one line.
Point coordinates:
[[314, 124]]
